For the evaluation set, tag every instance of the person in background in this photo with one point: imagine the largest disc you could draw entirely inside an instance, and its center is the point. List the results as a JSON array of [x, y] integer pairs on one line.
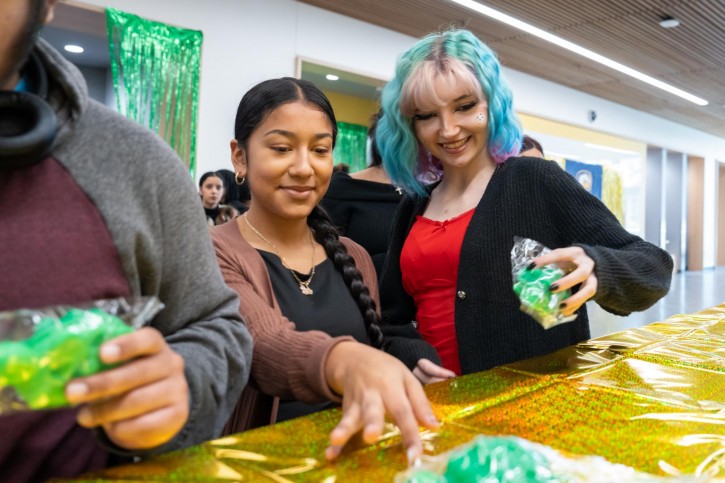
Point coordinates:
[[125, 222], [309, 297], [448, 278], [212, 191], [531, 148], [236, 193], [362, 205]]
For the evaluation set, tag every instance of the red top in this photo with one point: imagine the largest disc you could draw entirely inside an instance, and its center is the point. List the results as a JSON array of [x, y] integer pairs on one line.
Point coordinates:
[[429, 265]]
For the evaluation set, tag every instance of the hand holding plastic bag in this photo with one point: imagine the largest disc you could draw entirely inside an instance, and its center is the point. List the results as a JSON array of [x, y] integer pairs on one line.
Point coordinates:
[[42, 350], [532, 285]]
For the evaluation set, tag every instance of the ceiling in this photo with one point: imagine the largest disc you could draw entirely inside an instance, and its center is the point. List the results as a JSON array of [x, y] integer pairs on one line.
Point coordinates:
[[85, 26], [96, 53], [690, 56]]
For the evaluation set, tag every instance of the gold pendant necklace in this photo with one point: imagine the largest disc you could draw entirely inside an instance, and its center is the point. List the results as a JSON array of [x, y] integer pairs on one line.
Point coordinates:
[[304, 286]]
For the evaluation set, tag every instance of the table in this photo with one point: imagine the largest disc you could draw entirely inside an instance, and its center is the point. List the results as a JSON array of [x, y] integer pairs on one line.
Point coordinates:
[[652, 398]]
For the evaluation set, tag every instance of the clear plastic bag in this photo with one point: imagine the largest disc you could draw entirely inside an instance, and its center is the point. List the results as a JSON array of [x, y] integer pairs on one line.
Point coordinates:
[[42, 350], [510, 459], [532, 285]]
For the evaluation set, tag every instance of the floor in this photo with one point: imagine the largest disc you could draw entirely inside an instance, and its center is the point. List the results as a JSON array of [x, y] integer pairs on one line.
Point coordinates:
[[690, 292]]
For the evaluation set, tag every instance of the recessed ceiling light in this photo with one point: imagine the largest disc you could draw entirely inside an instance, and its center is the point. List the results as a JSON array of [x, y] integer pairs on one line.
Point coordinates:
[[578, 49], [74, 49], [332, 77], [669, 22]]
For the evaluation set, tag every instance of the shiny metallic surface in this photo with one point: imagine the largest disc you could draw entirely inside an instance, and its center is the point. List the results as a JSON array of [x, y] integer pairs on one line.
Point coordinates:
[[652, 398]]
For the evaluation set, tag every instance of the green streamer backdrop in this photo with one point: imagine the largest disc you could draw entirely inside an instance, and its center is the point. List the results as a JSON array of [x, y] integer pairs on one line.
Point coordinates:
[[155, 71], [351, 146]]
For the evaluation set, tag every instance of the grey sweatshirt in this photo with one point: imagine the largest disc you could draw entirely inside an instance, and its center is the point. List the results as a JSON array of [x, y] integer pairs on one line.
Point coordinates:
[[157, 223]]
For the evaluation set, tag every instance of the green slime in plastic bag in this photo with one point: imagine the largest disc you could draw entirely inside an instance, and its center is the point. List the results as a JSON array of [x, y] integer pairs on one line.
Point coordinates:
[[533, 289], [491, 460], [40, 367], [498, 460]]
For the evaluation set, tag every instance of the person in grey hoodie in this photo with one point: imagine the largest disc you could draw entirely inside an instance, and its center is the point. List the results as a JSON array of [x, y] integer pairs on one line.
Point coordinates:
[[94, 206]]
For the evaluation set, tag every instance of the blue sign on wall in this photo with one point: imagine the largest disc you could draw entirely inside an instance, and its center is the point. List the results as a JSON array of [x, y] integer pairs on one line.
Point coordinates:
[[588, 175]]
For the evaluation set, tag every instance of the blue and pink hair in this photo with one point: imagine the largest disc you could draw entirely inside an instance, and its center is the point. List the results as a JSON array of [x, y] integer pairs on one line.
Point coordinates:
[[443, 54]]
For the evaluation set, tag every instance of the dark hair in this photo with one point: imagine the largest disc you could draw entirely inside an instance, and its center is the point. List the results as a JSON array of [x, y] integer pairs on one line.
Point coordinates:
[[530, 143], [267, 96], [233, 191], [226, 213], [254, 107], [341, 168], [327, 236], [375, 158], [211, 174]]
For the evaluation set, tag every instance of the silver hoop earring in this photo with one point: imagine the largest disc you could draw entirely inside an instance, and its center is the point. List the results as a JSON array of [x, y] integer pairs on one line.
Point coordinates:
[[236, 179]]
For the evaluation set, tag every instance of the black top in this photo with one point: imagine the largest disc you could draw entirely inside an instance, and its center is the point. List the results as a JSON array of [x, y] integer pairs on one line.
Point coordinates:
[[330, 309], [364, 211], [531, 198], [239, 206], [211, 214]]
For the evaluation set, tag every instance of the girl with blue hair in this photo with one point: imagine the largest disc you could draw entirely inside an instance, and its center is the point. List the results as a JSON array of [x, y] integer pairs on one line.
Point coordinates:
[[447, 280]]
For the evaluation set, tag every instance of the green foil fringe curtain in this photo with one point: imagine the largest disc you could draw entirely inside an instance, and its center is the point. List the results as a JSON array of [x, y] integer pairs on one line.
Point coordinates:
[[351, 146], [155, 71]]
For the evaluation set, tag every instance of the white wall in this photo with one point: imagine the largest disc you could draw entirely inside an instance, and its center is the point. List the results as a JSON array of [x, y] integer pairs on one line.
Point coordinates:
[[709, 215], [246, 41]]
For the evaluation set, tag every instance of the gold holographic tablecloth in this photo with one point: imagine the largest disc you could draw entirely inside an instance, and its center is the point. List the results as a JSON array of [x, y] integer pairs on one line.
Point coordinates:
[[652, 398]]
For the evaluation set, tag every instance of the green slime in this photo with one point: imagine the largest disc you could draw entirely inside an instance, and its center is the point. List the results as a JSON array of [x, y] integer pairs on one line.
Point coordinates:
[[491, 460], [533, 290], [40, 367]]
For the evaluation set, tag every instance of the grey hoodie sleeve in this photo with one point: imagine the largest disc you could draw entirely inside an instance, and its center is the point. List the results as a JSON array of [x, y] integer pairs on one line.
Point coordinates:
[[152, 209], [201, 320]]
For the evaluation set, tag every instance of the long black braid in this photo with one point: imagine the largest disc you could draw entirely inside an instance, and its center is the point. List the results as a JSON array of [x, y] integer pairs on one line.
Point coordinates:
[[327, 236]]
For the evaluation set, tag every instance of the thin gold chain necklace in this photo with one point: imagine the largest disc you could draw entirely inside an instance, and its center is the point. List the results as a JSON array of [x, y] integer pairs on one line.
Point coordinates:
[[304, 286]]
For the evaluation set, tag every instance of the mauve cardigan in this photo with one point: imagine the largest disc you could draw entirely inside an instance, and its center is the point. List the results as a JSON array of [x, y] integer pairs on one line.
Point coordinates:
[[285, 363]]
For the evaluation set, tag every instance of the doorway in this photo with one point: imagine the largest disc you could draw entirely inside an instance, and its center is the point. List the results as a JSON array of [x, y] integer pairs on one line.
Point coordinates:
[[720, 240], [695, 202]]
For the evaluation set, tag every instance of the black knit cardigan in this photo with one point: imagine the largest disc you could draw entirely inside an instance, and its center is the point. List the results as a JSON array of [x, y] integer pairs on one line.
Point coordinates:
[[536, 199]]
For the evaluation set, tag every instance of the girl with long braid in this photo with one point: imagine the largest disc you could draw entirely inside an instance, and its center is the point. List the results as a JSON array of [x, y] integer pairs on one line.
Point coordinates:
[[309, 297]]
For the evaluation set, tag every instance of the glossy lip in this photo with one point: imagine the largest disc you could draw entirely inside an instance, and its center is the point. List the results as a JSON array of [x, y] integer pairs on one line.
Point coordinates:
[[455, 150]]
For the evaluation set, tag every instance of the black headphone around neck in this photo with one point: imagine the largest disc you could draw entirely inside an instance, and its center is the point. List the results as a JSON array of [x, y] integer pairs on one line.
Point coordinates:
[[28, 125]]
